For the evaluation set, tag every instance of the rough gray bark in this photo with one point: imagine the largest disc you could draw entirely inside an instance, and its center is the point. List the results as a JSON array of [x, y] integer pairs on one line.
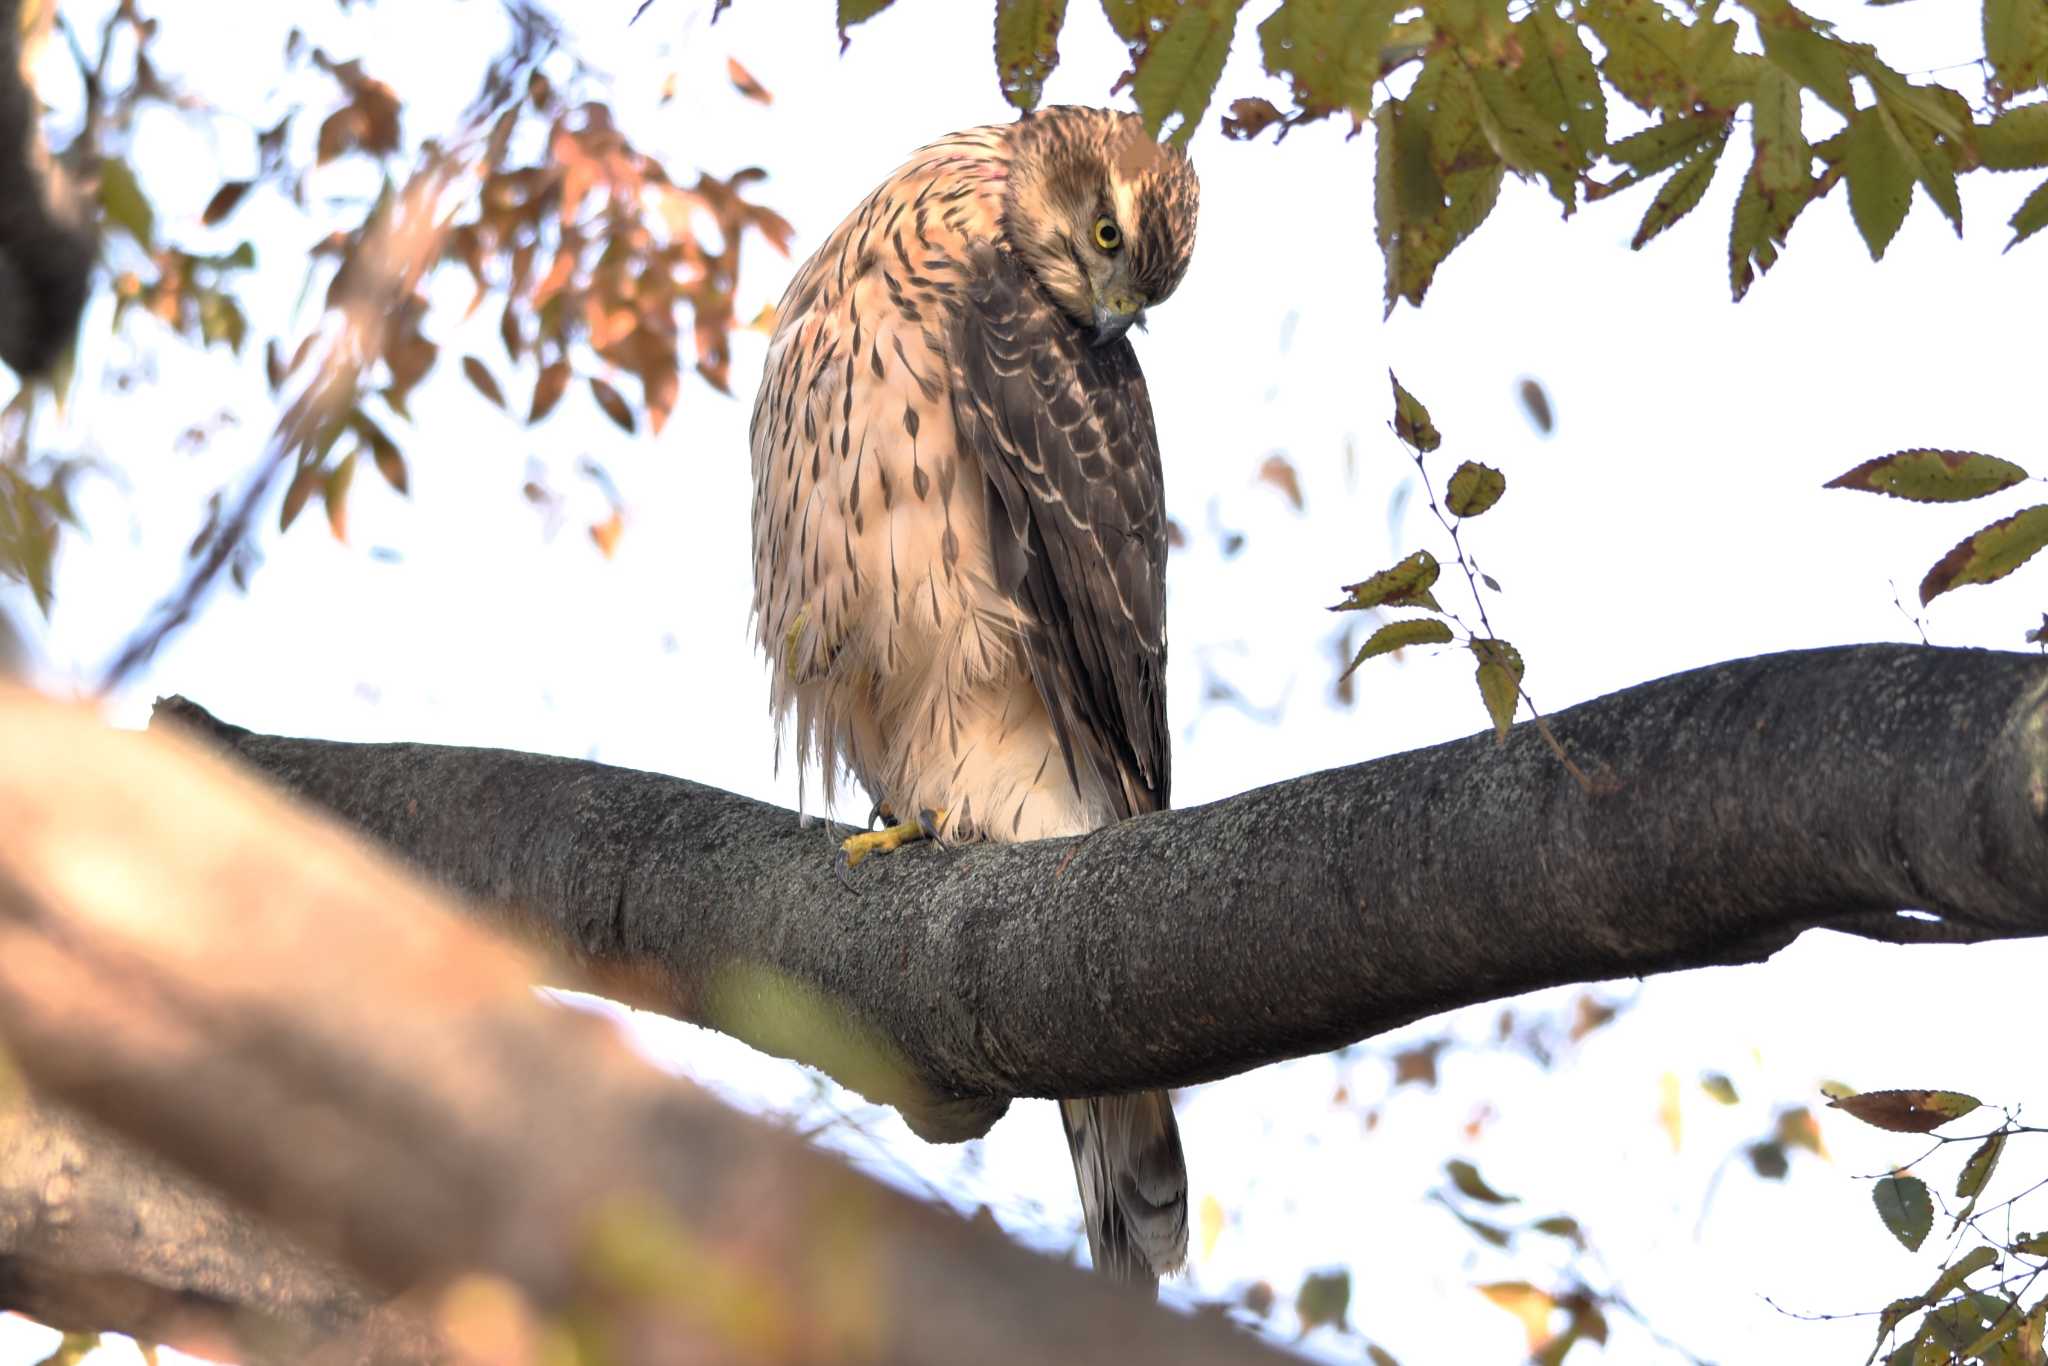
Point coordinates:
[[47, 241], [255, 994], [1735, 807]]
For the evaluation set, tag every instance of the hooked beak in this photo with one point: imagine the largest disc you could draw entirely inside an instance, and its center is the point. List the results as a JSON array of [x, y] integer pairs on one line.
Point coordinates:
[[1115, 312]]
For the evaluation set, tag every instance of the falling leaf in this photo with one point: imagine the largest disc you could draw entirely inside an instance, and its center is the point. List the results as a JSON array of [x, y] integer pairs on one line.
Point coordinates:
[[1907, 1112], [1258, 1298], [1668, 1113], [613, 404], [1769, 1160], [1718, 1086], [1278, 471], [1324, 1298], [1418, 1064], [1532, 1306], [1211, 1224], [606, 533], [1797, 1127], [1536, 403], [479, 374], [223, 202], [744, 82], [1466, 1178], [548, 390], [1589, 1013]]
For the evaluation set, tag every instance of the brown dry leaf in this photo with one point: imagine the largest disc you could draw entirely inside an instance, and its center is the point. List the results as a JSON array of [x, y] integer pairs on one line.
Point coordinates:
[[607, 532], [479, 374], [548, 389], [743, 81], [1279, 472], [613, 403], [1588, 1014], [223, 202], [1418, 1064]]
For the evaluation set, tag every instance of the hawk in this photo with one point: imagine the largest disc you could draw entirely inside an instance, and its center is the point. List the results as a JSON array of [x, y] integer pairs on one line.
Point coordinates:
[[960, 536]]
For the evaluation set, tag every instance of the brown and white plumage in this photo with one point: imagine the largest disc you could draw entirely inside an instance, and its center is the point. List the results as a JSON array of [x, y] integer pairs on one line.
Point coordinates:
[[959, 530]]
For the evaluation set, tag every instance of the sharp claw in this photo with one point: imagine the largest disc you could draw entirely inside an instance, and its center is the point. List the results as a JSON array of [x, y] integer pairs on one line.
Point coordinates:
[[928, 821], [844, 866]]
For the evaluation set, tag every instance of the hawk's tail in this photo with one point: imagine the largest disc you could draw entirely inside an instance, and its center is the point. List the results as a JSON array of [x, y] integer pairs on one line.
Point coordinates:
[[1134, 1184]]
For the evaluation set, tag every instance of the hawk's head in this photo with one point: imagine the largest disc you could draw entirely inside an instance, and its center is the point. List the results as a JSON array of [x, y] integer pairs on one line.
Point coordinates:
[[1100, 213]]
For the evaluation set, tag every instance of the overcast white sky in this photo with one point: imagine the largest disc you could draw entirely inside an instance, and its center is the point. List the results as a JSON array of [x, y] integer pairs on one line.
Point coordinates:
[[1675, 518]]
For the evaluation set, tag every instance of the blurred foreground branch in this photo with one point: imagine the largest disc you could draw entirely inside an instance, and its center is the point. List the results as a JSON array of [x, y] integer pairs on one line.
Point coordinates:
[[242, 988], [47, 240], [1733, 808]]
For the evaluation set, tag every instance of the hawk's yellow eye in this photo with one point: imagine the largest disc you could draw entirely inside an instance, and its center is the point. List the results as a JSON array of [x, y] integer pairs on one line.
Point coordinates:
[[1108, 235]]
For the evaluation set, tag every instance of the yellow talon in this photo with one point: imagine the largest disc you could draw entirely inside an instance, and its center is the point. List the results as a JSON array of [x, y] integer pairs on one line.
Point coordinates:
[[890, 838]]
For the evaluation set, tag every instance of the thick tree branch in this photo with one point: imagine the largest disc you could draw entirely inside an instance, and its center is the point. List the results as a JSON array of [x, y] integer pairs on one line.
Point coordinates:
[[1736, 807], [47, 240], [96, 1235], [245, 988]]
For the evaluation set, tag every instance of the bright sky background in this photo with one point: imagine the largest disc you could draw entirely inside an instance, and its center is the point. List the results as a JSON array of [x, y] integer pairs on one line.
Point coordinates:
[[1675, 518]]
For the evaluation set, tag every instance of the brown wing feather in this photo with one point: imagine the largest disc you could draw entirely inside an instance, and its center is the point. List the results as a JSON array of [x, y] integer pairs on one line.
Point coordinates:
[[1077, 526]]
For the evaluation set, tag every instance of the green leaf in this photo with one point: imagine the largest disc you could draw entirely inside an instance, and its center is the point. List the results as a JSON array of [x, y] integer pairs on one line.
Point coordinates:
[[1558, 78], [2016, 43], [1500, 681], [1906, 1112], [1931, 476], [853, 12], [1328, 50], [1399, 635], [1657, 61], [1817, 61], [1518, 133], [1179, 68], [1324, 1298], [2031, 217], [1989, 555], [1412, 425], [122, 200], [1560, 1226], [1964, 1267], [1906, 118], [1474, 488], [1880, 181], [1436, 178], [1770, 1161], [1396, 587], [1978, 1169], [1467, 1179], [1784, 160], [1682, 193], [1906, 1208], [2016, 140], [1717, 1085], [2032, 1244], [1027, 47], [1666, 143], [1762, 220]]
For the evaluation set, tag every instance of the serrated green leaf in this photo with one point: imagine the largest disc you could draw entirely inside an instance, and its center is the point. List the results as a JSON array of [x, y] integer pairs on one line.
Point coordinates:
[[1474, 488], [1931, 476], [1989, 555], [1906, 116], [1395, 587], [1964, 1267], [1419, 217], [122, 200], [1518, 133], [1412, 425], [1500, 682], [1399, 635], [1470, 1183], [1681, 194], [1880, 181], [1763, 218], [1658, 61], [2031, 217], [1666, 143], [1329, 51], [2032, 1244], [1906, 1208], [1027, 47], [1976, 1172], [1813, 57], [1181, 63], [1558, 78], [2016, 140], [1784, 160], [1906, 1112], [2016, 43]]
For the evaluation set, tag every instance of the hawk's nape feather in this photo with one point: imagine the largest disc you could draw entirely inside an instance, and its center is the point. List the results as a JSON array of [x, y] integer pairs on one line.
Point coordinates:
[[1076, 527]]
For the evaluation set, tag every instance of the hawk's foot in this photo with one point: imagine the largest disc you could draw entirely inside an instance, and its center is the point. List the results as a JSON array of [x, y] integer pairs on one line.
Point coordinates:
[[890, 838]]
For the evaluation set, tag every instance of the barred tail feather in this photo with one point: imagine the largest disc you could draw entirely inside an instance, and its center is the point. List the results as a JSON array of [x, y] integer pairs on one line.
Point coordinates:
[[1134, 1184]]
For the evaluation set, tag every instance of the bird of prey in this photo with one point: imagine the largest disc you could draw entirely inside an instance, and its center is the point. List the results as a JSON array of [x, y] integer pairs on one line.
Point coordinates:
[[960, 537]]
